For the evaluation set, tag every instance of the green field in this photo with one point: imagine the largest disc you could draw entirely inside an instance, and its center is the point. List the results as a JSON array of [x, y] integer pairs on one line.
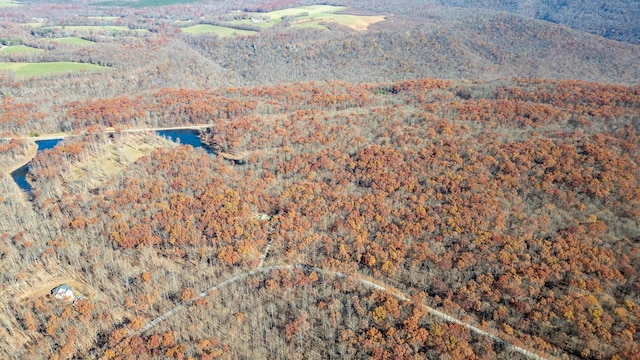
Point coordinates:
[[275, 17], [19, 49], [104, 17], [263, 25], [40, 69], [73, 41], [355, 22], [145, 3], [310, 17], [218, 30], [311, 10], [312, 24], [96, 28], [8, 3]]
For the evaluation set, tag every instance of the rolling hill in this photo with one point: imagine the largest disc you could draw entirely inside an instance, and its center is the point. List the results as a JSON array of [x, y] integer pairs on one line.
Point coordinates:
[[401, 179]]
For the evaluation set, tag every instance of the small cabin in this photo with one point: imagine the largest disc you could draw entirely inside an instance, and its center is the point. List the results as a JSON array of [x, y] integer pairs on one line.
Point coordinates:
[[63, 291]]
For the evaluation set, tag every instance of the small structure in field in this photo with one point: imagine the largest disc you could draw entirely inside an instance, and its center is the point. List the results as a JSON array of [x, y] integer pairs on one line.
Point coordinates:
[[263, 217], [63, 291]]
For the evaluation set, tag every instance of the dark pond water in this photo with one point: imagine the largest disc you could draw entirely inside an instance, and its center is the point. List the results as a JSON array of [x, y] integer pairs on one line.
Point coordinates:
[[190, 137], [185, 137], [20, 175]]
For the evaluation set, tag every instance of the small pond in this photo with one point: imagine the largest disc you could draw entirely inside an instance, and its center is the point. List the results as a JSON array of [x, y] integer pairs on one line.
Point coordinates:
[[180, 136], [20, 175], [185, 137]]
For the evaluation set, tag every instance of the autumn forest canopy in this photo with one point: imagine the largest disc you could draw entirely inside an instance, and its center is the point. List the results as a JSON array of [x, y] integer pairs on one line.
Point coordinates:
[[409, 180]]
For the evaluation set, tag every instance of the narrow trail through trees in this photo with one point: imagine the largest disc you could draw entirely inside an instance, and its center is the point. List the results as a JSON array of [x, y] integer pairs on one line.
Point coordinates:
[[367, 283], [264, 254]]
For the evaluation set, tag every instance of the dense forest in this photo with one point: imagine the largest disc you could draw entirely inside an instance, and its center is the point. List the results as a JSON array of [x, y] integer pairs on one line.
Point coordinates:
[[404, 191], [513, 206]]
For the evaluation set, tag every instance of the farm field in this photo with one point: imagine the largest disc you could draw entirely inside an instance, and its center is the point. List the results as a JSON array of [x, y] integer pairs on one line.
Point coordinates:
[[34, 24], [355, 22], [47, 68], [73, 41], [104, 17], [146, 3], [19, 49], [221, 31], [309, 24], [8, 3], [309, 17], [96, 28]]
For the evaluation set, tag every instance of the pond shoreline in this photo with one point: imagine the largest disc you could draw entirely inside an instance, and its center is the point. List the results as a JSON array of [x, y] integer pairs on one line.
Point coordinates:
[[56, 136], [189, 133], [60, 136], [33, 150]]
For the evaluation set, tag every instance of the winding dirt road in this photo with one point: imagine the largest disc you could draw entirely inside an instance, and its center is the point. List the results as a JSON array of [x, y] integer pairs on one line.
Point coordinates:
[[266, 269], [367, 283]]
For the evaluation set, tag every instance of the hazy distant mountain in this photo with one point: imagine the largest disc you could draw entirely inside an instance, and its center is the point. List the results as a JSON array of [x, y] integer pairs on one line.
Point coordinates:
[[612, 19]]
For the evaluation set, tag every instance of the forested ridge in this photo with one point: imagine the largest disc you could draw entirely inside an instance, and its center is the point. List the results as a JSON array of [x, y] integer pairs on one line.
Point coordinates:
[[511, 206], [447, 183], [412, 42]]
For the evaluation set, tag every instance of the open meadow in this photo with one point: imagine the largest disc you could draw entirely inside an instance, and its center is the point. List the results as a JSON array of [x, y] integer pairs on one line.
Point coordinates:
[[308, 17], [96, 28], [47, 68], [73, 41], [8, 3], [145, 3], [221, 31], [19, 49]]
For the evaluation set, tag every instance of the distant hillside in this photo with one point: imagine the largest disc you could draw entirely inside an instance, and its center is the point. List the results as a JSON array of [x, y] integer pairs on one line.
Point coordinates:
[[480, 45], [614, 19], [416, 39]]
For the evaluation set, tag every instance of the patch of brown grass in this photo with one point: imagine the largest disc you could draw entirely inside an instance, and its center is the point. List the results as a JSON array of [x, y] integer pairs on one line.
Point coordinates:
[[113, 157]]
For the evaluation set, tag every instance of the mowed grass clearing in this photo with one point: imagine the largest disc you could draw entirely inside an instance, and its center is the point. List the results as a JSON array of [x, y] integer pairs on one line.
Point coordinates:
[[33, 24], [275, 17], [218, 30], [309, 24], [104, 17], [47, 68], [355, 22], [73, 41], [145, 3], [96, 28], [8, 3], [310, 10], [310, 17], [19, 49], [113, 158]]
